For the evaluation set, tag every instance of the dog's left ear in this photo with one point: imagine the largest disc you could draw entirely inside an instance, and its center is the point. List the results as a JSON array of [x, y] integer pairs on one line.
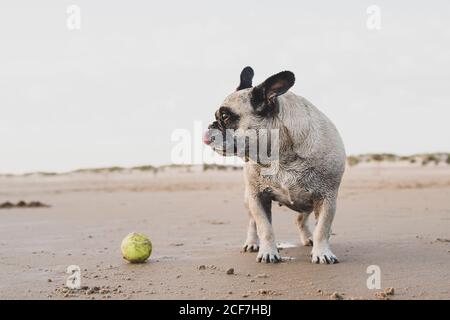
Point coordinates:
[[264, 94], [246, 78]]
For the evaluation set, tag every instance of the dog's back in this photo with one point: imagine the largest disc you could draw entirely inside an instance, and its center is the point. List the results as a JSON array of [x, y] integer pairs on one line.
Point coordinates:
[[313, 135]]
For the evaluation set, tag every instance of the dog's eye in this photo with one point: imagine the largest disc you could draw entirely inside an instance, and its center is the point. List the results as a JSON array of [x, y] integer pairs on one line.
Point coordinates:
[[224, 116]]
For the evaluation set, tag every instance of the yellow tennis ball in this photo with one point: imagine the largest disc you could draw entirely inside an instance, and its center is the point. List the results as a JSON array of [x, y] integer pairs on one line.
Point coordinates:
[[136, 247]]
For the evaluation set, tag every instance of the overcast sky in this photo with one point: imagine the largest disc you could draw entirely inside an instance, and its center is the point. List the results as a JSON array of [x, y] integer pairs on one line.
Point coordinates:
[[113, 92]]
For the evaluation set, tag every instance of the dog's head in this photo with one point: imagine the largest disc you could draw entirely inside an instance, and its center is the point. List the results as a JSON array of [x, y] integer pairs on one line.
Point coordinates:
[[246, 113]]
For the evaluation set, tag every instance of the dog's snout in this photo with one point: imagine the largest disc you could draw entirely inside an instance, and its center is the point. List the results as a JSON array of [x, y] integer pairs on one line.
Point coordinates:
[[207, 138]]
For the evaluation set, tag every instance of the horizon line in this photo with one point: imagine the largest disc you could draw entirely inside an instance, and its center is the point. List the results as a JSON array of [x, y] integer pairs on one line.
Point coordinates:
[[352, 158]]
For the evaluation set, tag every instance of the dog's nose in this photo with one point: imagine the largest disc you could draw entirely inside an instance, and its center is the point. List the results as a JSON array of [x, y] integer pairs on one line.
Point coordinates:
[[206, 138]]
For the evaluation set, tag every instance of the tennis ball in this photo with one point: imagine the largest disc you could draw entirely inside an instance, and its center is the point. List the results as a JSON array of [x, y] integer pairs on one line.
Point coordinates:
[[136, 247]]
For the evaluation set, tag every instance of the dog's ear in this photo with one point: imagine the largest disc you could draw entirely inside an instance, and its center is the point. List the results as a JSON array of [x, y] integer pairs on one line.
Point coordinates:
[[264, 94], [246, 78]]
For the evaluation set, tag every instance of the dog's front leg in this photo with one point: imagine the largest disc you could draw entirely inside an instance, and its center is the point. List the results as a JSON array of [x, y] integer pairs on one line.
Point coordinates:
[[260, 207], [252, 242], [321, 252]]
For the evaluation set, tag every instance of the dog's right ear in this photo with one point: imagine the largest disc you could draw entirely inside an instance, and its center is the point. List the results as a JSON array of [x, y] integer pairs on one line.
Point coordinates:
[[246, 78], [263, 95]]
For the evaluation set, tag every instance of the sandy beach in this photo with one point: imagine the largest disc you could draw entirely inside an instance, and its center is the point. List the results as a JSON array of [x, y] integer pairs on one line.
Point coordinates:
[[397, 218]]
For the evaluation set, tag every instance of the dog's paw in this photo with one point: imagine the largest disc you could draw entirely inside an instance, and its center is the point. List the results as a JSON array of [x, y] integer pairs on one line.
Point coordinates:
[[250, 247], [323, 256], [307, 242], [268, 254], [306, 237]]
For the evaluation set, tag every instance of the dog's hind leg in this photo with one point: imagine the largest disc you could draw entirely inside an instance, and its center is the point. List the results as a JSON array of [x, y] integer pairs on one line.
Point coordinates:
[[252, 242], [321, 252], [301, 220]]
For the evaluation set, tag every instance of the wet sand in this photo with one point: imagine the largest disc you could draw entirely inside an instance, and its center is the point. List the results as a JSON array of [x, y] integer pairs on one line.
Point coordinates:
[[396, 218]]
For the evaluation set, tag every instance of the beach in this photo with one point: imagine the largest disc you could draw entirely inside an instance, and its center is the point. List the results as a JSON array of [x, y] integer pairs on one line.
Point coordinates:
[[396, 218]]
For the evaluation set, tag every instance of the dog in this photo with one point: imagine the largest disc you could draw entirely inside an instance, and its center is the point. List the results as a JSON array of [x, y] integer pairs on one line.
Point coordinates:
[[309, 168]]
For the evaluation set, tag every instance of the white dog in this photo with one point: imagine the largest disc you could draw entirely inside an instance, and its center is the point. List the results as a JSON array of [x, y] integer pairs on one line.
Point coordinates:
[[310, 163]]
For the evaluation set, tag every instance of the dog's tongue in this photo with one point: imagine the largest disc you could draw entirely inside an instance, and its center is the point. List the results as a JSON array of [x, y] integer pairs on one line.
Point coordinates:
[[206, 139]]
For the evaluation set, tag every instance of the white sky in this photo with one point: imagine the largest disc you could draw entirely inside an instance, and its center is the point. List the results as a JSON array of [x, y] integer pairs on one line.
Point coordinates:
[[113, 92]]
